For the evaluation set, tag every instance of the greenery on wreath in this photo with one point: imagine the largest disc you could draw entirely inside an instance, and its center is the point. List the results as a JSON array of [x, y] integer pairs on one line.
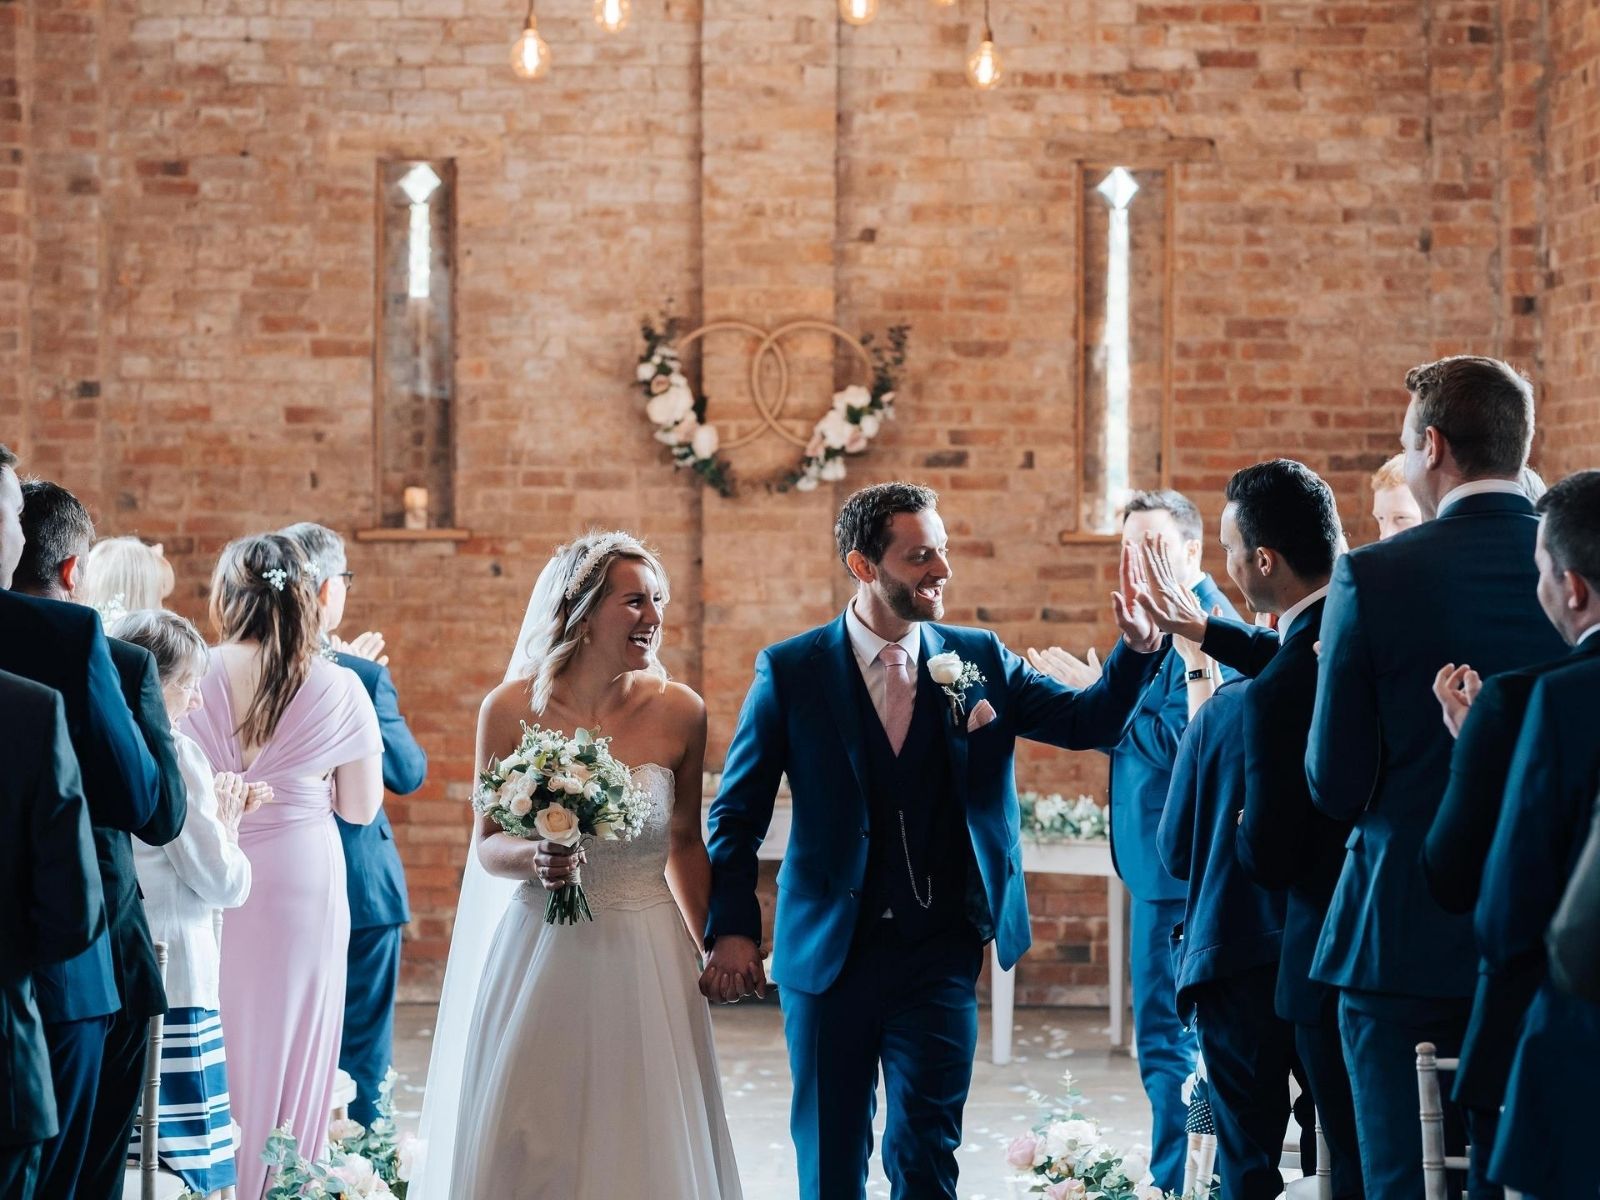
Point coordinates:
[[1053, 818], [362, 1160], [679, 415]]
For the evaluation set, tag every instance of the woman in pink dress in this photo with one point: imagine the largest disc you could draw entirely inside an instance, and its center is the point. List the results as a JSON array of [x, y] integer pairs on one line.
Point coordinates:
[[278, 713]]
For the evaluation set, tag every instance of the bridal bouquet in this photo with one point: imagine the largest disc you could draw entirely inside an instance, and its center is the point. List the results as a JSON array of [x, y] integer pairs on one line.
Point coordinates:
[[562, 789], [1066, 1157]]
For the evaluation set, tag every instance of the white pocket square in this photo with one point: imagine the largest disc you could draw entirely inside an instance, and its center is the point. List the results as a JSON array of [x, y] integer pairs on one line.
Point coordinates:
[[980, 716]]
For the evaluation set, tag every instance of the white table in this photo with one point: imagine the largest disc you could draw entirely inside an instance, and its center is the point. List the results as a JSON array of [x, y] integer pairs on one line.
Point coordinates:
[[1045, 858]]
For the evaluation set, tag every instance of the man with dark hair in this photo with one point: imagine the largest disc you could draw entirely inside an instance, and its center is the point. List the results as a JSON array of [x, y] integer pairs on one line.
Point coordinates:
[[898, 739], [1544, 1144], [59, 532], [63, 647], [1405, 968], [1141, 772]]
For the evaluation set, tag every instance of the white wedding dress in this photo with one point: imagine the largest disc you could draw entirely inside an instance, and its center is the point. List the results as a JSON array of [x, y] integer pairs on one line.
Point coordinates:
[[588, 1070]]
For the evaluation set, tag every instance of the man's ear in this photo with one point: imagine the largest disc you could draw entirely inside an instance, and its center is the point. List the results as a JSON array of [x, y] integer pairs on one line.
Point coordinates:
[[71, 574], [1434, 446], [861, 567], [1266, 562], [1578, 592]]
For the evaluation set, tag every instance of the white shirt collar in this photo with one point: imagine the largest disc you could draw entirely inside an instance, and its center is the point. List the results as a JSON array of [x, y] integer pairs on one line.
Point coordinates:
[[1292, 613], [1587, 634], [869, 645], [1480, 487]]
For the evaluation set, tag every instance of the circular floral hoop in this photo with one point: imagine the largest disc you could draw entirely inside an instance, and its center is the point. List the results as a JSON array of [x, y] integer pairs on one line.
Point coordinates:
[[848, 427]]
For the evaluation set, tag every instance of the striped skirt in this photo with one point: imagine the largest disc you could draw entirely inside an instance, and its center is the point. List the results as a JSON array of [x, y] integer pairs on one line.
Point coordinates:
[[196, 1138]]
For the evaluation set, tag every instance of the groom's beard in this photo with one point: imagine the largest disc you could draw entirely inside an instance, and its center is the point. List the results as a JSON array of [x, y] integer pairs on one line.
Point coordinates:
[[903, 602]]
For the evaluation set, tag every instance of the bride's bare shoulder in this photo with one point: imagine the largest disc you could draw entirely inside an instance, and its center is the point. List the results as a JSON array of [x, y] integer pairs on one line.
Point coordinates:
[[508, 702], [679, 701]]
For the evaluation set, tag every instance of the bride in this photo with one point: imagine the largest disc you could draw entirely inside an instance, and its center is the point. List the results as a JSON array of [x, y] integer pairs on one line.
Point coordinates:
[[576, 1061]]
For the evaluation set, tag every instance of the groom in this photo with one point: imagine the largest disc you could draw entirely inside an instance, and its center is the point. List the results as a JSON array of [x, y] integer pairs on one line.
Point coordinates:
[[897, 736]]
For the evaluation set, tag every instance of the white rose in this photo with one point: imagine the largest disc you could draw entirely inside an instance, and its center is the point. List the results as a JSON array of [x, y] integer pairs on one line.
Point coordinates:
[[558, 824], [344, 1129], [678, 379], [520, 806], [870, 424], [835, 429], [518, 787], [646, 370], [511, 760], [1136, 1165], [856, 396], [857, 441], [705, 441], [805, 483], [671, 406], [409, 1153], [833, 470], [605, 831], [1065, 1137], [591, 790], [945, 668]]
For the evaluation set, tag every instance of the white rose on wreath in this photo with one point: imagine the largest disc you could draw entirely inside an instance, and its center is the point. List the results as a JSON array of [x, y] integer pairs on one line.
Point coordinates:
[[670, 406], [705, 441]]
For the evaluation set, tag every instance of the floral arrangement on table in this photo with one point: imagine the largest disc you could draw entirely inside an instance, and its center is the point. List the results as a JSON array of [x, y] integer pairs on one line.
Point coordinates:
[[1054, 818], [361, 1161], [562, 789], [1066, 1156], [679, 415]]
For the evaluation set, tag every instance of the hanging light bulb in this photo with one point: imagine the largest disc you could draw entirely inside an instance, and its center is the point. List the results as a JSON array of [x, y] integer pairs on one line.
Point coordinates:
[[858, 12], [530, 53], [944, 3], [612, 15], [984, 67]]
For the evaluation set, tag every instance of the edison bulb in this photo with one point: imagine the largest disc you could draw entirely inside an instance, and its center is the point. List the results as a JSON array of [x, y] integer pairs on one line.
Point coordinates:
[[612, 15], [984, 67], [944, 3], [858, 12], [530, 53]]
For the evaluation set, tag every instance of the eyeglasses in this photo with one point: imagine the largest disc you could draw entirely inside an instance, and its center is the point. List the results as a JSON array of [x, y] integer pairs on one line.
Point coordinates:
[[349, 578]]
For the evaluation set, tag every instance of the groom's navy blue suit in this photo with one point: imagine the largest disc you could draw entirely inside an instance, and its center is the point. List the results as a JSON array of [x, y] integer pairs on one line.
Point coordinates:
[[931, 834]]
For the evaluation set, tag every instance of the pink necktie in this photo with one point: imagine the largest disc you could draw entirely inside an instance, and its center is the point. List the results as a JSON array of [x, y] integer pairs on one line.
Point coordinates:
[[899, 694]]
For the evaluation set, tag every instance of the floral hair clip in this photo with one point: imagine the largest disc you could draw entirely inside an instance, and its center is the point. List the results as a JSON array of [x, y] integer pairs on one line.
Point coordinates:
[[592, 558], [276, 577]]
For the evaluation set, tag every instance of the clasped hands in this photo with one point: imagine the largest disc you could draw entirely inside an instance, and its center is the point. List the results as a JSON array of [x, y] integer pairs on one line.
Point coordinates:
[[733, 970]]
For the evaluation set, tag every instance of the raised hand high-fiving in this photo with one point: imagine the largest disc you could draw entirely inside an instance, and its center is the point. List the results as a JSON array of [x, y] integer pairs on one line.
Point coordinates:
[[1138, 627], [1172, 606]]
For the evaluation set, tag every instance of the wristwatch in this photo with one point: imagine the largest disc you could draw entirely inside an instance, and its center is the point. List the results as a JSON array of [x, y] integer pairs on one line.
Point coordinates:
[[1199, 673]]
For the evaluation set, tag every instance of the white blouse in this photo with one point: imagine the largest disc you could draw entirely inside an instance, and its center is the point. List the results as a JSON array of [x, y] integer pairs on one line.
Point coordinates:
[[186, 883]]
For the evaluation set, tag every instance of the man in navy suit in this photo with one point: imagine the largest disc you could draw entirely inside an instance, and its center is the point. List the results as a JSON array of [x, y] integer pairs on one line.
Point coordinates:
[[1574, 936], [1379, 756], [897, 736], [51, 909], [375, 879], [62, 646], [1545, 1144], [1141, 769], [59, 533]]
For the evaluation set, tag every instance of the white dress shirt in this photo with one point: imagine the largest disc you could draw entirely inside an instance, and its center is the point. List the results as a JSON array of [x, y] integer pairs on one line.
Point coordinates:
[[868, 645], [1584, 636], [186, 881], [1292, 613], [1481, 487]]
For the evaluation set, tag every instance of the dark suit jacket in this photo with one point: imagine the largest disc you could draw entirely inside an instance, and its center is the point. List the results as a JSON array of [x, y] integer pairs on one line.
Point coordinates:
[[50, 899], [803, 717], [1459, 588], [1141, 770], [1230, 923], [62, 646], [1574, 937], [1458, 842], [375, 879], [1283, 841], [1245, 647], [131, 949]]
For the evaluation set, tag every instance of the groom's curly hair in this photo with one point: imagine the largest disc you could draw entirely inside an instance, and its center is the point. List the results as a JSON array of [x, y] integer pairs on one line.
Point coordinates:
[[863, 522]]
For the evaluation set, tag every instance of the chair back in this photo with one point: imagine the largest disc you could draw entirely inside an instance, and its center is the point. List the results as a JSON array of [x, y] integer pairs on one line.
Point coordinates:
[[1435, 1162], [150, 1104]]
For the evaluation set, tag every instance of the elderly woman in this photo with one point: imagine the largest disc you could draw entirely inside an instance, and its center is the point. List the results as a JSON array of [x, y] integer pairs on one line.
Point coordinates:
[[123, 575], [185, 884]]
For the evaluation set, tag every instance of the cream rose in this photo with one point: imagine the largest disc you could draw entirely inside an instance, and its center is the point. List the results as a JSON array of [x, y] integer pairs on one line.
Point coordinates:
[[945, 668], [520, 806], [870, 424], [671, 406], [835, 429], [705, 441], [558, 824], [646, 370]]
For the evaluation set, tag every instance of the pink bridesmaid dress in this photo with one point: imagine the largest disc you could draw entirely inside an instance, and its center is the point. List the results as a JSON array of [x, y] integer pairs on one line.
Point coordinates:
[[283, 951]]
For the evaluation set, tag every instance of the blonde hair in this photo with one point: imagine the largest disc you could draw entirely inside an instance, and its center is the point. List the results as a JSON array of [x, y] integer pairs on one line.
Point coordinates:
[[262, 591], [1390, 475], [121, 574], [556, 630]]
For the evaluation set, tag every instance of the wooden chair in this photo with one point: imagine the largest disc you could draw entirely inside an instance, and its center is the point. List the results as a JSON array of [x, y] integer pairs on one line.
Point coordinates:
[[1435, 1162], [149, 1181]]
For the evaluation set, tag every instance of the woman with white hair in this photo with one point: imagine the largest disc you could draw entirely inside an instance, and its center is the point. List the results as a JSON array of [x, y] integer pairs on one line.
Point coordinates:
[[122, 575]]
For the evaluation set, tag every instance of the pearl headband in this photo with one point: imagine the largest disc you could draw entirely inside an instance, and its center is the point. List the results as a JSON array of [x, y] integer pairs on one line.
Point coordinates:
[[592, 559]]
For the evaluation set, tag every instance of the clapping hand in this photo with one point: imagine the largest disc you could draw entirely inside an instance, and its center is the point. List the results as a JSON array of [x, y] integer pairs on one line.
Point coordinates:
[[1139, 630], [1456, 688], [1065, 667], [256, 794], [231, 791], [368, 645], [1166, 601], [733, 970]]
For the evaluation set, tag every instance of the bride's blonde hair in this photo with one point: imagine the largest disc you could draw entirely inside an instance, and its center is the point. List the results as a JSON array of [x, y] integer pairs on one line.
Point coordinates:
[[572, 583]]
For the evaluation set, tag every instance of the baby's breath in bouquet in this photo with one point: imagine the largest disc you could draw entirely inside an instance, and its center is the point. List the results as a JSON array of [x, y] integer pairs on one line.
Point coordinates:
[[562, 789]]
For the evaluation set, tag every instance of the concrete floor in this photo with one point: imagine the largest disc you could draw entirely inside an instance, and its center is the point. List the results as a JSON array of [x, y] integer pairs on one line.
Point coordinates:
[[755, 1080]]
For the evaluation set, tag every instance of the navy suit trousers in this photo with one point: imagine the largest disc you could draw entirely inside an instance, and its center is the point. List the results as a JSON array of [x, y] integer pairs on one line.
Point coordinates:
[[1166, 1049], [1380, 1033], [367, 1049], [19, 1170], [914, 1008], [1322, 1058], [76, 1050]]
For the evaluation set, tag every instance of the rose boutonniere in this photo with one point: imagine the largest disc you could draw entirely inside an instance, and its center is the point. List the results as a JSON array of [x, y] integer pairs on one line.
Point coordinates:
[[954, 677]]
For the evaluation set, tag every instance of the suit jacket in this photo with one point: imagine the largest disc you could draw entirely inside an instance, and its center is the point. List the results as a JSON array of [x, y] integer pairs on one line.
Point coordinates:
[[1457, 845], [375, 878], [802, 717], [132, 951], [1230, 923], [62, 646], [50, 898], [1141, 770], [1459, 588], [1574, 937], [1284, 842], [1244, 647]]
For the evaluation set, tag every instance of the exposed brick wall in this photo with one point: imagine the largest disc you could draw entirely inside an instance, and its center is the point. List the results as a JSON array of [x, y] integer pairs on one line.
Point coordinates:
[[1358, 186]]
